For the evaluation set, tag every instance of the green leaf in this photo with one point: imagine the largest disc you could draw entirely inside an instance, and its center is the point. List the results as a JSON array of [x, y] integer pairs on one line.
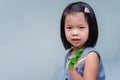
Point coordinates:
[[70, 65], [79, 52], [75, 59]]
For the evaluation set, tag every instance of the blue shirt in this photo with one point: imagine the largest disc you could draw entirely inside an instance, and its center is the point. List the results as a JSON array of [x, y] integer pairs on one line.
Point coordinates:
[[101, 73]]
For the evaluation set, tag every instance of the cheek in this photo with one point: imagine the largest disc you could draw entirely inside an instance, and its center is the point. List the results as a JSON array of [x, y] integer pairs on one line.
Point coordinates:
[[67, 34], [87, 34]]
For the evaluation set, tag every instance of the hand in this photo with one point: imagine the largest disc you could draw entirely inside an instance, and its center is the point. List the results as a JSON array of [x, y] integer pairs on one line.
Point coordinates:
[[75, 66], [73, 72]]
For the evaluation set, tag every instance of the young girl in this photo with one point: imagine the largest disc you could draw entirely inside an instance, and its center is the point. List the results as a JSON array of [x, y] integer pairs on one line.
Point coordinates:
[[79, 30]]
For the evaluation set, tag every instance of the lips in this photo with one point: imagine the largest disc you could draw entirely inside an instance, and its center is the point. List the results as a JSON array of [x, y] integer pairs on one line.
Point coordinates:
[[75, 40]]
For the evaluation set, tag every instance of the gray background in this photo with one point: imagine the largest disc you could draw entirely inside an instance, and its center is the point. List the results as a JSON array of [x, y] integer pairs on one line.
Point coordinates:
[[30, 45]]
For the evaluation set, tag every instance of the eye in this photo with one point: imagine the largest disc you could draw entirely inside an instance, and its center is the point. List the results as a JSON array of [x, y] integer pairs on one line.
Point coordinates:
[[81, 27], [68, 27]]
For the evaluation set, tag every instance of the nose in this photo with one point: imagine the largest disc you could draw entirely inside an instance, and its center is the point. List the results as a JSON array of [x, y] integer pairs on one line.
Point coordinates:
[[75, 32]]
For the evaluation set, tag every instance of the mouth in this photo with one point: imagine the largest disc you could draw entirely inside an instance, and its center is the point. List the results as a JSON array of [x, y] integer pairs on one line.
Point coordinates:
[[75, 40]]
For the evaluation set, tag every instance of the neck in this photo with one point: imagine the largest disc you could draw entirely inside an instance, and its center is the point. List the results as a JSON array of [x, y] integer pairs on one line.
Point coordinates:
[[77, 48]]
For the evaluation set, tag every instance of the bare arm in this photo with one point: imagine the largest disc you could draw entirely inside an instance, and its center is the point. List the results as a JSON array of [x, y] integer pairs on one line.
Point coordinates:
[[91, 68]]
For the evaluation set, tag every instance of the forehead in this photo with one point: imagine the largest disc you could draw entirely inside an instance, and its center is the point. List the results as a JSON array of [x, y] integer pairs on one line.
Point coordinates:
[[75, 18]]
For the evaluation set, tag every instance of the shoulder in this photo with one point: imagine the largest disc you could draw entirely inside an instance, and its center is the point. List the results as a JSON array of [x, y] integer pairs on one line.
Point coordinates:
[[92, 62], [92, 54], [92, 57], [90, 51]]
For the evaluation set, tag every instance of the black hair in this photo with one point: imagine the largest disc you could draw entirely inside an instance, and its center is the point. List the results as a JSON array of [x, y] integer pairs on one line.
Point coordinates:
[[90, 18]]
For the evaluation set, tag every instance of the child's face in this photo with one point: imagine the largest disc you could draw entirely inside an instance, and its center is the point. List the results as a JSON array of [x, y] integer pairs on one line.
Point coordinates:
[[76, 29]]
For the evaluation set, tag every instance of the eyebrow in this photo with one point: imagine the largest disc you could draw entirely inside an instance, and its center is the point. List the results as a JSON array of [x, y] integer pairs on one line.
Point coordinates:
[[77, 25]]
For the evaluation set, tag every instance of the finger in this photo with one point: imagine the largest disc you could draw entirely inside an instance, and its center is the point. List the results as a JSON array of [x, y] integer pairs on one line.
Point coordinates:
[[81, 60]]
